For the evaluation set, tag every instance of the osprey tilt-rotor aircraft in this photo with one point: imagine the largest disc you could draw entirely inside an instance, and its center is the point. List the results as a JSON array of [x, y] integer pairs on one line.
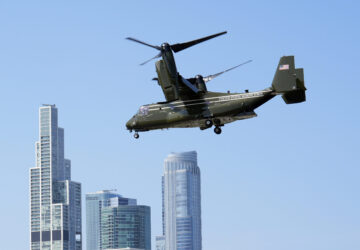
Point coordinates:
[[189, 103]]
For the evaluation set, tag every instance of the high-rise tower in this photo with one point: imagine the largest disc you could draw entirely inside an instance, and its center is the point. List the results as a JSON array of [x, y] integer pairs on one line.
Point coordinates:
[[95, 203], [55, 200], [126, 226], [116, 222], [181, 202]]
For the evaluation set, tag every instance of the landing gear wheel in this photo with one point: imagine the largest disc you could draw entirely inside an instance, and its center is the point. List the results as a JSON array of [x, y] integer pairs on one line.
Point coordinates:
[[136, 135], [208, 123], [217, 130]]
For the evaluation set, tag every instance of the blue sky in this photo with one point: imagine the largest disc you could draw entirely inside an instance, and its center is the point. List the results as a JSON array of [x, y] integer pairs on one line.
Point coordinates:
[[288, 179]]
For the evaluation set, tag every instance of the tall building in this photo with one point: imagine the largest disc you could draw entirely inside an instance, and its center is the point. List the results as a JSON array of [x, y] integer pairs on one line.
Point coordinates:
[[128, 248], [160, 242], [115, 222], [55, 200], [181, 203], [95, 202], [126, 226]]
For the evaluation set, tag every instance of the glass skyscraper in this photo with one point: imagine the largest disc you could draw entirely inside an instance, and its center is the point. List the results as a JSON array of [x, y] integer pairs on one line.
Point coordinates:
[[95, 202], [181, 203], [115, 222], [55, 200], [126, 226]]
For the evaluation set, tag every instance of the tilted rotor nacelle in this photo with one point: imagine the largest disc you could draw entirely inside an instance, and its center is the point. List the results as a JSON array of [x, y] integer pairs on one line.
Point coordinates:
[[200, 83]]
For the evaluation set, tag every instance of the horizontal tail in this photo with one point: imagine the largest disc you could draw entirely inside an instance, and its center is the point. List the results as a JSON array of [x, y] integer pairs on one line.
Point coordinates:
[[289, 82]]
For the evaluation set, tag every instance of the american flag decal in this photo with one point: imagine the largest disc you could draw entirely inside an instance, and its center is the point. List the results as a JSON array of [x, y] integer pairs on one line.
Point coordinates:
[[284, 67]]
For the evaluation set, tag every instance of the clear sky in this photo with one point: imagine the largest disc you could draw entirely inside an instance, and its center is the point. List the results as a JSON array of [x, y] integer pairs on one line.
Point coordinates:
[[288, 179]]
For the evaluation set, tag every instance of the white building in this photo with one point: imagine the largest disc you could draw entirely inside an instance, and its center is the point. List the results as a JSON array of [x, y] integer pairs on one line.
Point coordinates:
[[55, 200]]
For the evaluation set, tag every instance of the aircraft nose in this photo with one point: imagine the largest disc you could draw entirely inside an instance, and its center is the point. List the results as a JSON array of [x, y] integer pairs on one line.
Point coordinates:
[[131, 123]]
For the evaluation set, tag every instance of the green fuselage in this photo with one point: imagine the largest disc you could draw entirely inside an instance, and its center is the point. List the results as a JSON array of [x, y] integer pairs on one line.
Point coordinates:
[[221, 108]]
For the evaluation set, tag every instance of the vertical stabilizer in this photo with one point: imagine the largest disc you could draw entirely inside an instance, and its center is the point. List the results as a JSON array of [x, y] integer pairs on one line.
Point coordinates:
[[288, 81]]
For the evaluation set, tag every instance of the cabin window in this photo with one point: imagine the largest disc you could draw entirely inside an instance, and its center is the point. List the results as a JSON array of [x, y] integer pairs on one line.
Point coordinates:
[[143, 110]]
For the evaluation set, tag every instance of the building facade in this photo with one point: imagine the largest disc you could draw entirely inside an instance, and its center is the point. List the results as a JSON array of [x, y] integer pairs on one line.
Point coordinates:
[[95, 202], [126, 227], [128, 248], [55, 200], [181, 203], [160, 242]]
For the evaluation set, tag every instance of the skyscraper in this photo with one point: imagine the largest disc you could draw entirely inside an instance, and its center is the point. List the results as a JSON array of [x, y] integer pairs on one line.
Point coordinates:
[[115, 222], [181, 202], [160, 242], [95, 202], [126, 226], [55, 200]]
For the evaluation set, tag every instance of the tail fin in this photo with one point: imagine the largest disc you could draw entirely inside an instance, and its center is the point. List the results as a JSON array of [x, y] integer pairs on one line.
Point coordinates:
[[289, 82]]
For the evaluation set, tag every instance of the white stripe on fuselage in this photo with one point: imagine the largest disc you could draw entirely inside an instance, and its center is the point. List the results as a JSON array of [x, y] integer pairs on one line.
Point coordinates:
[[223, 98]]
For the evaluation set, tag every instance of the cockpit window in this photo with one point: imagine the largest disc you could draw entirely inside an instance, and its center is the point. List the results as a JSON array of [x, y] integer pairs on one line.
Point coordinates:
[[143, 110]]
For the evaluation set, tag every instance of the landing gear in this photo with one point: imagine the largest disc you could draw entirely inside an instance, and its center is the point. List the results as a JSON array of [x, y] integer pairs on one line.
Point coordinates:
[[217, 130], [136, 135], [208, 123], [217, 122]]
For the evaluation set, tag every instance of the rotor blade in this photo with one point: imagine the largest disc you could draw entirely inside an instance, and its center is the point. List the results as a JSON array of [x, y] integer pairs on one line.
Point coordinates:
[[187, 83], [157, 56], [210, 77], [141, 42], [181, 46]]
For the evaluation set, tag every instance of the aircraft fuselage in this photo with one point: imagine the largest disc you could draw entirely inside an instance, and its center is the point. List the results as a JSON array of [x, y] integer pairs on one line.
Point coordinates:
[[219, 108]]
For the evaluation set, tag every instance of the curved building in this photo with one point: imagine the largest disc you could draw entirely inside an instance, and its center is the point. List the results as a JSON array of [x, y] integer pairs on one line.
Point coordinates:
[[182, 202]]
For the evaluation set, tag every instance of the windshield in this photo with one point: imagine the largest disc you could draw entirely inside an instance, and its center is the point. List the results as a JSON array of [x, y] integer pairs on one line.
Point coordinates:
[[143, 110]]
